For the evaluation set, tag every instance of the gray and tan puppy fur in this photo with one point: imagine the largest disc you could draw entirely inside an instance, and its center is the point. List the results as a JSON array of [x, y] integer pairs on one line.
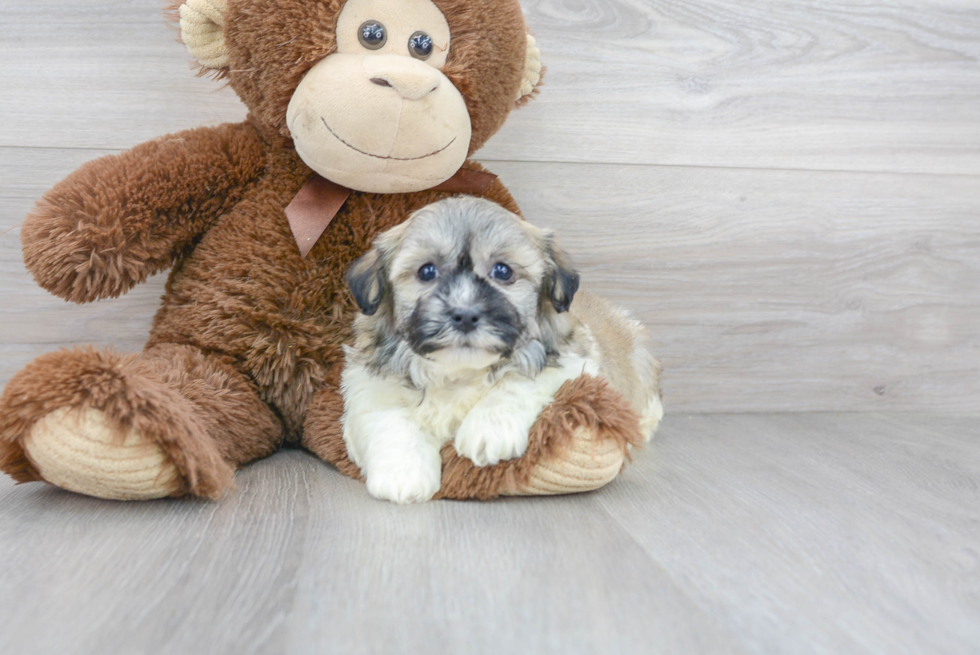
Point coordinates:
[[471, 321]]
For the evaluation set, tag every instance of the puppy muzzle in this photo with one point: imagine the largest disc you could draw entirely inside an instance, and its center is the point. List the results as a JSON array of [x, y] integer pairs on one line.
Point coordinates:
[[464, 311]]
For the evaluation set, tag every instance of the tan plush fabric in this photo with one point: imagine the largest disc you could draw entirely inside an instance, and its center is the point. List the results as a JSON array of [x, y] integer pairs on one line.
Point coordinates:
[[82, 451], [382, 120], [201, 23], [586, 463], [532, 68], [371, 139]]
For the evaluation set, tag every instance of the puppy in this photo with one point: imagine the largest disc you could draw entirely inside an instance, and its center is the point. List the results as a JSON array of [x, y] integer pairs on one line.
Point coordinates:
[[467, 332]]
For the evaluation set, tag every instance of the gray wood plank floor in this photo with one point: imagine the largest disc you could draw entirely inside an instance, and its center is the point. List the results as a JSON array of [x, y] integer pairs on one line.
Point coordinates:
[[802, 533]]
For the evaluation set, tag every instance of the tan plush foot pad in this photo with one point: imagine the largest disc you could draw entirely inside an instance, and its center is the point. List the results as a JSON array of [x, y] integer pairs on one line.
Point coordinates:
[[587, 463], [79, 450]]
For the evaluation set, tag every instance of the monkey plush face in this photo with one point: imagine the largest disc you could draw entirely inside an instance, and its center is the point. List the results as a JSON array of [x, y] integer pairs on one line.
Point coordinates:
[[385, 96], [379, 114]]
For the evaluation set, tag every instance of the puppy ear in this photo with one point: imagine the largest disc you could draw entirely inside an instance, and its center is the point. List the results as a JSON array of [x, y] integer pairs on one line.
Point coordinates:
[[562, 282], [365, 279]]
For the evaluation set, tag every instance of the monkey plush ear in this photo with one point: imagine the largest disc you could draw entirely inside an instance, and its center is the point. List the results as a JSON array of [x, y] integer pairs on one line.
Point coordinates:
[[202, 31], [563, 280], [365, 279], [533, 70]]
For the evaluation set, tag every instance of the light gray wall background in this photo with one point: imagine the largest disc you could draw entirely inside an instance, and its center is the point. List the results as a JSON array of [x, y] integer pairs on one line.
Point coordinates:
[[787, 193]]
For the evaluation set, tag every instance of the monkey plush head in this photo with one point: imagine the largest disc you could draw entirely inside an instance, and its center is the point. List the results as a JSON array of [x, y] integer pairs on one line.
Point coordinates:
[[384, 96]]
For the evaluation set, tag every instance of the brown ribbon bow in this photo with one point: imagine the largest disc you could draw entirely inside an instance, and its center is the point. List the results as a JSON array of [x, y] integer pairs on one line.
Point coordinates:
[[316, 204]]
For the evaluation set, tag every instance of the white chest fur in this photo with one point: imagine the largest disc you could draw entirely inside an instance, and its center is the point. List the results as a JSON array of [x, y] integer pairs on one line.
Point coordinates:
[[441, 408]]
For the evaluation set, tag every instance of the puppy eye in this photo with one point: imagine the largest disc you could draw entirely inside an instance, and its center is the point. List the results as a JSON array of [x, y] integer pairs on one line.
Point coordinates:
[[420, 45], [428, 272], [372, 34], [501, 272]]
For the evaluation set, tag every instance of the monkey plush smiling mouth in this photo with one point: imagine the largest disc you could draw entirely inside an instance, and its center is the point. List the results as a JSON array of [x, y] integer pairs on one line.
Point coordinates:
[[468, 329], [399, 124]]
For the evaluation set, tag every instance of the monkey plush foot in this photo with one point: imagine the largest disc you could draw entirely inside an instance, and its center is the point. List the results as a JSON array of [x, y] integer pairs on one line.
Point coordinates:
[[585, 462], [578, 443], [82, 451], [591, 432]]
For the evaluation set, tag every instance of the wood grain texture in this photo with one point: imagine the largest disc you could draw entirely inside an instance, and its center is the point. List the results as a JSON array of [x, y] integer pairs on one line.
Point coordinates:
[[872, 86], [819, 533], [781, 290], [764, 290], [100, 74], [730, 534], [810, 84]]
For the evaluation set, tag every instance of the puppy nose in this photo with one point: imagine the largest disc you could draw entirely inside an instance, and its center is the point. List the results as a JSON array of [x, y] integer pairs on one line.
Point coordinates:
[[411, 79], [465, 320]]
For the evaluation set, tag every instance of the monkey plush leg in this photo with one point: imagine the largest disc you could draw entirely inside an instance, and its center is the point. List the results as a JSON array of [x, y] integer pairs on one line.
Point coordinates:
[[579, 443], [323, 433], [168, 421]]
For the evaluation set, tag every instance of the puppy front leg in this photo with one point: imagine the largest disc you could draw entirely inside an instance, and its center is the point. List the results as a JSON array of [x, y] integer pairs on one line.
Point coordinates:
[[497, 427], [399, 462]]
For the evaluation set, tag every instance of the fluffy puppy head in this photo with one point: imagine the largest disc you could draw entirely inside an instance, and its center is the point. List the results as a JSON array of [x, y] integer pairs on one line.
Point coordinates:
[[462, 284]]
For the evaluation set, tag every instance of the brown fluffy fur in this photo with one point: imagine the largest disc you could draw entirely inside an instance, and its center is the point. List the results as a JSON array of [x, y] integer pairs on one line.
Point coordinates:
[[245, 351]]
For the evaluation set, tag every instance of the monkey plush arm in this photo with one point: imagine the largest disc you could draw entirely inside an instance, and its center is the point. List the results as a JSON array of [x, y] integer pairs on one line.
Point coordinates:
[[121, 218]]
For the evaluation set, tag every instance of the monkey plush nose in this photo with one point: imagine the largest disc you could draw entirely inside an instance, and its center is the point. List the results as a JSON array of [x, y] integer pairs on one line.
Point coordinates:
[[411, 79], [465, 320]]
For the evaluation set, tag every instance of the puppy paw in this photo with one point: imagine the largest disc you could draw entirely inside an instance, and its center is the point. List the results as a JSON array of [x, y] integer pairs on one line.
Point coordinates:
[[405, 476], [487, 438]]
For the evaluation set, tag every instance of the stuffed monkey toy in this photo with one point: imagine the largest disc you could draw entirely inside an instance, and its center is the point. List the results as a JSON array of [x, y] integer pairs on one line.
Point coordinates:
[[360, 113]]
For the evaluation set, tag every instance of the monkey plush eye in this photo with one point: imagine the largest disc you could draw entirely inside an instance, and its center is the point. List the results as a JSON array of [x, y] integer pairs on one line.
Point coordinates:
[[428, 272], [372, 35], [501, 272], [420, 45]]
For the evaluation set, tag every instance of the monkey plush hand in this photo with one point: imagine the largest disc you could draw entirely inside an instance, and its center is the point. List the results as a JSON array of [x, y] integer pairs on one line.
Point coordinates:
[[360, 113]]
